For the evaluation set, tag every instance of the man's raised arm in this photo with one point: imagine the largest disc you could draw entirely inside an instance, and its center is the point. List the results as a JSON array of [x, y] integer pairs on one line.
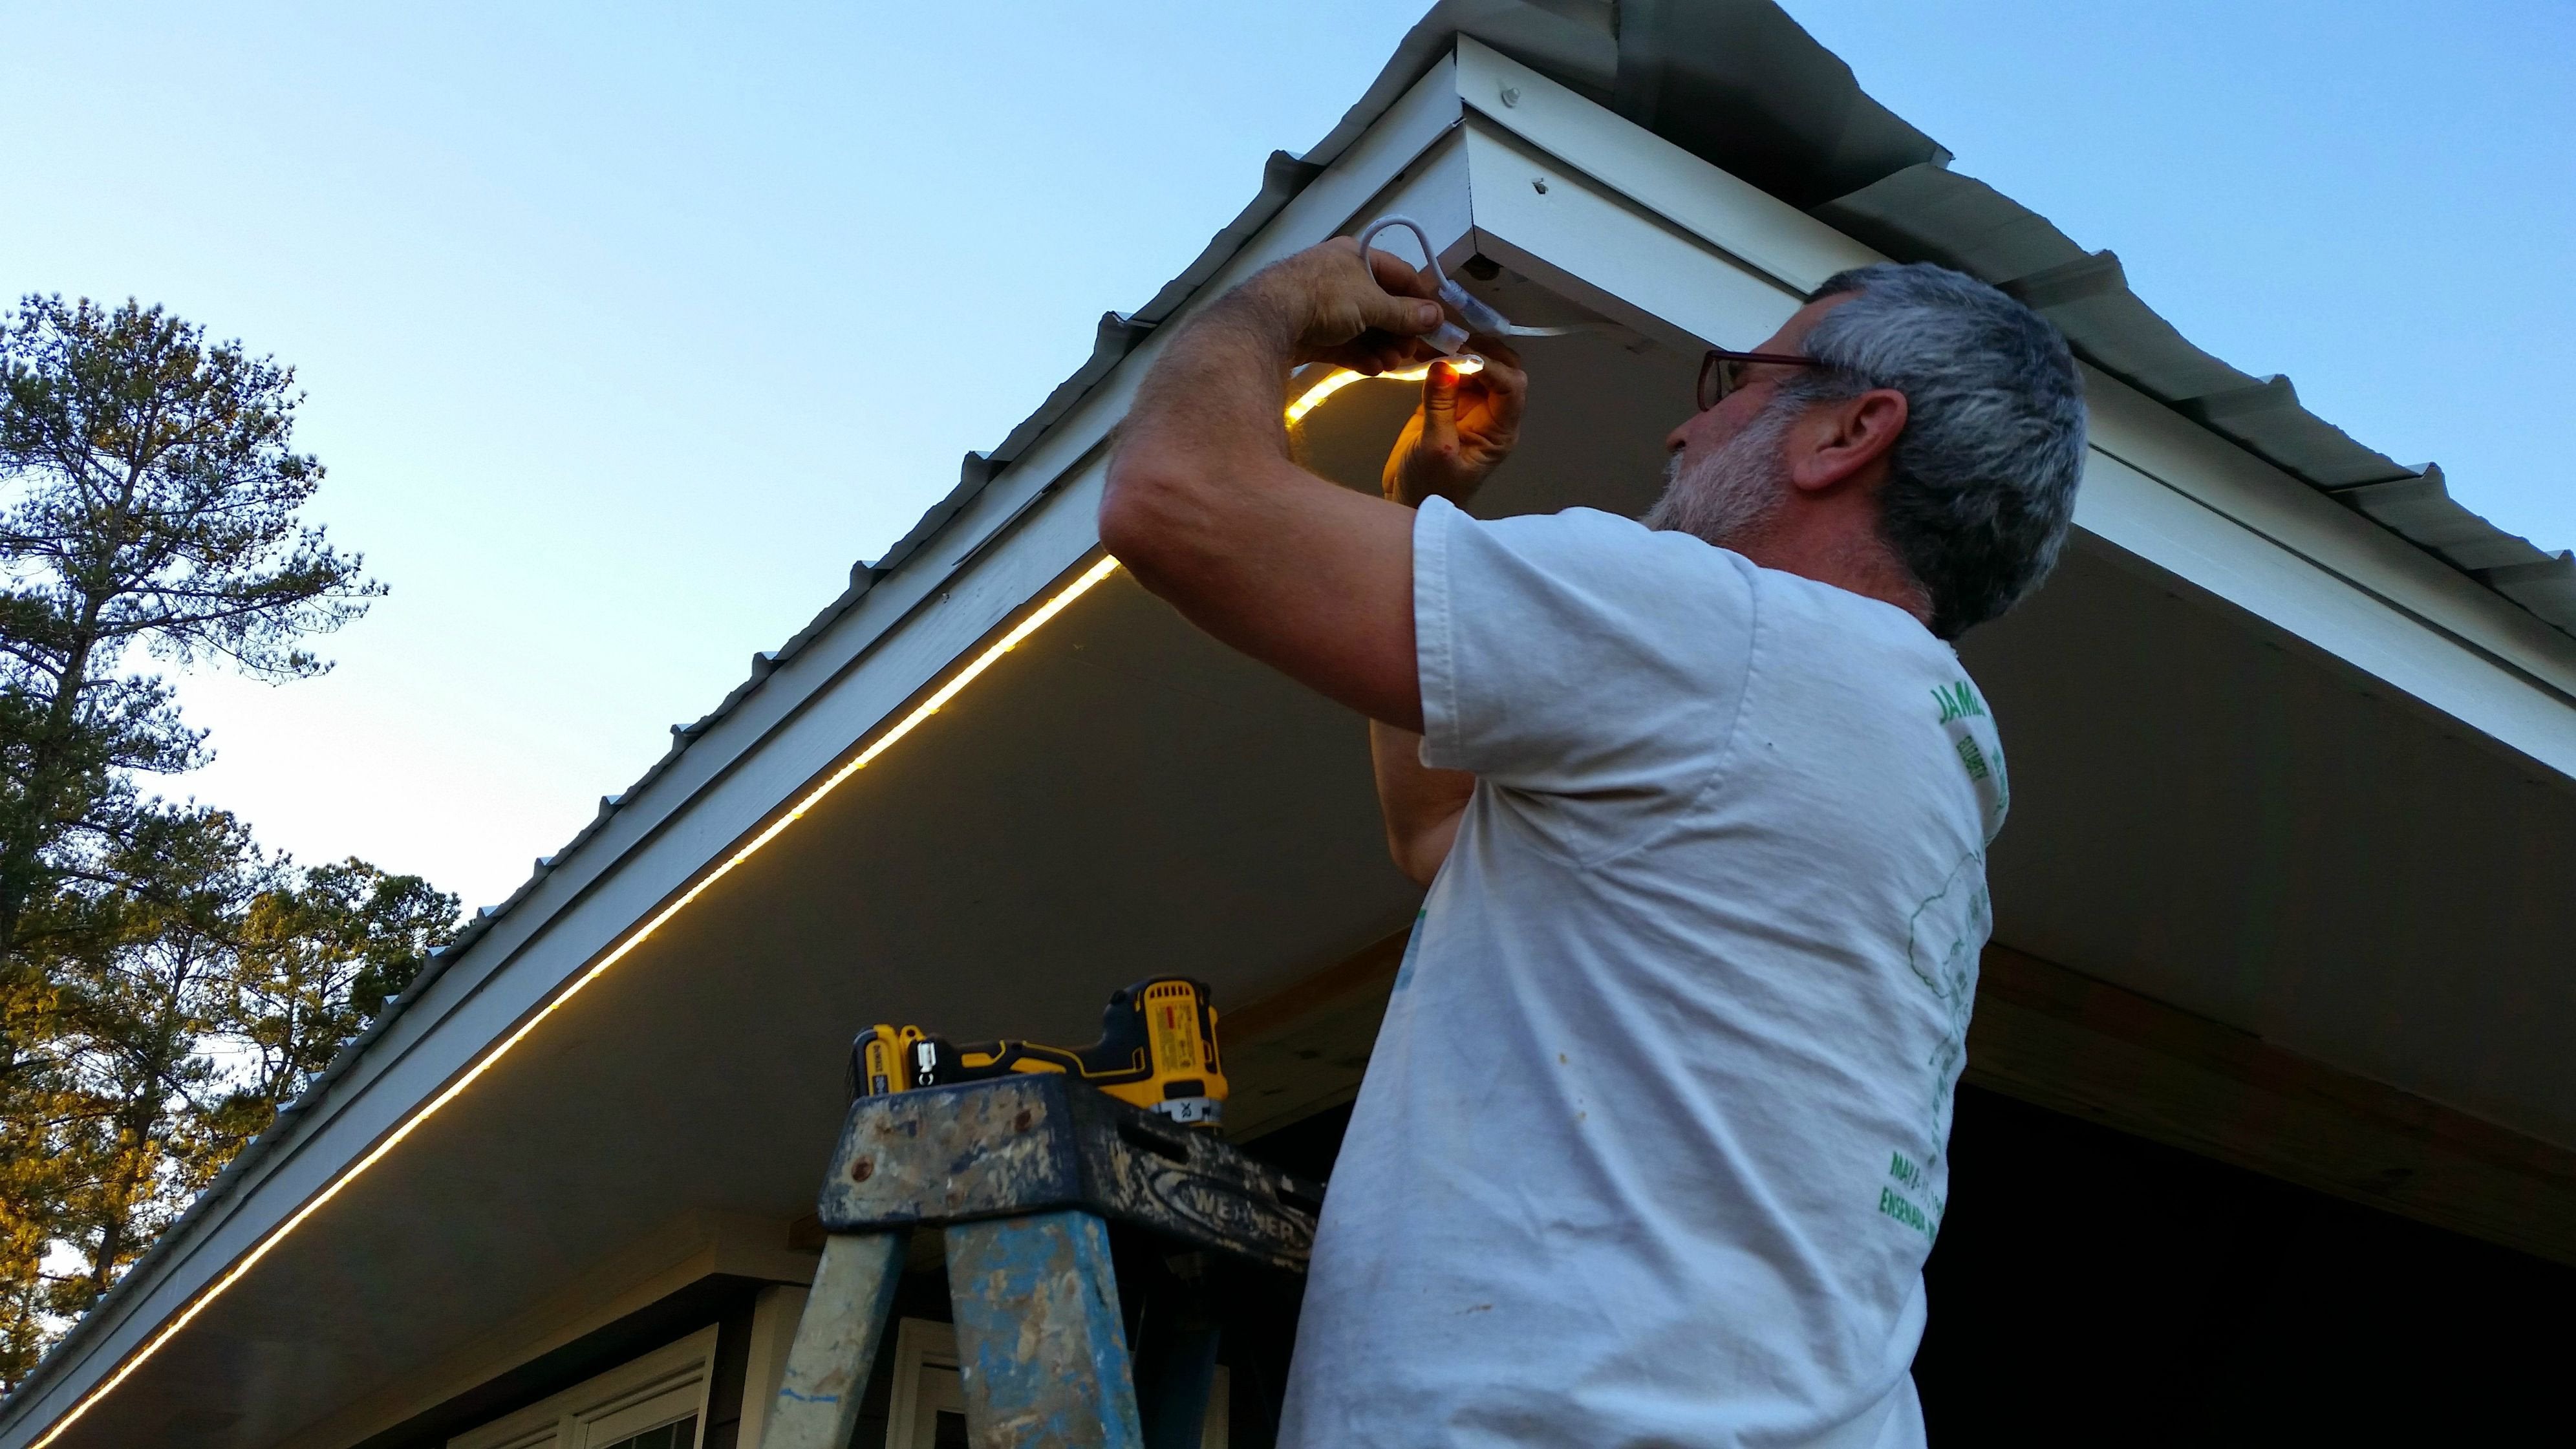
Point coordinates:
[[1204, 506]]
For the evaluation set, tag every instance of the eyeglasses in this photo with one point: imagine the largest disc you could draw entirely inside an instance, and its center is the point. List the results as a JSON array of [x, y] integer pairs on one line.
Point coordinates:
[[1722, 372]]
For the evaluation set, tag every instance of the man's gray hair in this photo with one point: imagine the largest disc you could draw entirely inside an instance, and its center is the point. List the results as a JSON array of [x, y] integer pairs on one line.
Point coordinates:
[[1982, 482]]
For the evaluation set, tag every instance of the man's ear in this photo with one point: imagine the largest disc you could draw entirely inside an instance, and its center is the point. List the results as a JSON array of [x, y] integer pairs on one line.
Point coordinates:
[[1845, 440]]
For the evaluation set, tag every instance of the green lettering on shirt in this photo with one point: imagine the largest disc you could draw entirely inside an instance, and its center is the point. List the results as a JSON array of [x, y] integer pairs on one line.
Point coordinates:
[[1958, 701], [1972, 757]]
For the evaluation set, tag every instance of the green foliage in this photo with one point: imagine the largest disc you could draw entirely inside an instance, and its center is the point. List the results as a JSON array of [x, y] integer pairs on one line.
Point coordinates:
[[150, 504], [160, 487], [164, 983], [217, 983]]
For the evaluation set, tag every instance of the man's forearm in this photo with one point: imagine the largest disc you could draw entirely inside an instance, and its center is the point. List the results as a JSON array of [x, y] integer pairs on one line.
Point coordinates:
[[1199, 405], [1422, 806], [1212, 398], [1205, 508]]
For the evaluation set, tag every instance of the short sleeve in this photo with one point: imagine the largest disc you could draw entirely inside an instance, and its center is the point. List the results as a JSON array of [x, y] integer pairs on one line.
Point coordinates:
[[1577, 653]]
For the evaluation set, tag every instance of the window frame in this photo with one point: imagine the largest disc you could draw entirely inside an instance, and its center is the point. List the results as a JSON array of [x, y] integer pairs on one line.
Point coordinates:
[[637, 1396]]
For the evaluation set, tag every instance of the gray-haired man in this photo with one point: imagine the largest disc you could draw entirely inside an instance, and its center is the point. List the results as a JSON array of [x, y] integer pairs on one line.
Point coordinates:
[[1651, 1149]]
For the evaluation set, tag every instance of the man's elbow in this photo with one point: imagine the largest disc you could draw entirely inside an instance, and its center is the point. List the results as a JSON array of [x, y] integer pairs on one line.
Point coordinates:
[[1142, 512], [1421, 850], [1416, 867]]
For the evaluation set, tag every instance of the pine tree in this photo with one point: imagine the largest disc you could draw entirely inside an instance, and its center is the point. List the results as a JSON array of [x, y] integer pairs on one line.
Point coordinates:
[[164, 983], [221, 982], [151, 506]]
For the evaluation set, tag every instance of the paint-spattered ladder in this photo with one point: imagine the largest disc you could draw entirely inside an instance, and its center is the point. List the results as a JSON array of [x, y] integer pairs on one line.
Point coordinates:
[[1022, 1176]]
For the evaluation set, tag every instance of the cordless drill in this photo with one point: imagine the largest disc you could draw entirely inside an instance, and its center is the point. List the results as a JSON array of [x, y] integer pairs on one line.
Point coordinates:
[[1157, 1050]]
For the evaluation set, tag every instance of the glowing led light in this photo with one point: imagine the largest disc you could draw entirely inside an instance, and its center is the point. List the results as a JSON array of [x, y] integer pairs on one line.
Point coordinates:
[[1339, 378], [946, 692]]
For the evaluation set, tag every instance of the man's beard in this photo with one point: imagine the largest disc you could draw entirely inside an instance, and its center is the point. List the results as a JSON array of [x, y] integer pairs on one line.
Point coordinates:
[[1730, 494]]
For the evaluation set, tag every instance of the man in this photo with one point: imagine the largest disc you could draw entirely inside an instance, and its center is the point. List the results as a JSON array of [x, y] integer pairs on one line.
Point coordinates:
[[1651, 1148]]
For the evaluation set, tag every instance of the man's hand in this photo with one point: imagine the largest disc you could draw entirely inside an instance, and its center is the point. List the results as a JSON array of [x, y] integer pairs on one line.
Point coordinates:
[[1205, 508], [1333, 306], [1461, 433]]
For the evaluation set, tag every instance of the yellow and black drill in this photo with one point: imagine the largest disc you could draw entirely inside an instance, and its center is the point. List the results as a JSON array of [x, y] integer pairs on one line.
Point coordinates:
[[1157, 1050]]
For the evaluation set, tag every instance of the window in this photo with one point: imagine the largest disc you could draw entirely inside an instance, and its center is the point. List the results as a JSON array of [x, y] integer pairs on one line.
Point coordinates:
[[682, 1435], [927, 1408], [658, 1401]]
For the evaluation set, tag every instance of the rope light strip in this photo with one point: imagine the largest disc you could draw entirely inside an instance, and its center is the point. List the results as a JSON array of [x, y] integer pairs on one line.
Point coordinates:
[[1338, 378], [946, 692]]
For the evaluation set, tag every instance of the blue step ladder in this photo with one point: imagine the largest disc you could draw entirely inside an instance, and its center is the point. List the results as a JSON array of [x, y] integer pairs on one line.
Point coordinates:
[[1022, 1176]]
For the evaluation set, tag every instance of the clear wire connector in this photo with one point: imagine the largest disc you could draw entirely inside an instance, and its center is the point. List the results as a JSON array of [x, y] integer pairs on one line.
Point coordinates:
[[1469, 315]]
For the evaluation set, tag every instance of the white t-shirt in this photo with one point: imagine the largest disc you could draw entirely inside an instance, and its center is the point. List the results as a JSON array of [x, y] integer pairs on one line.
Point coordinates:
[[1652, 1146]]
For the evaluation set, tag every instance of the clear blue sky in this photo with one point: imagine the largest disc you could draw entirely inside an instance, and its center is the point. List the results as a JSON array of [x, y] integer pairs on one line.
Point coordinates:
[[627, 328]]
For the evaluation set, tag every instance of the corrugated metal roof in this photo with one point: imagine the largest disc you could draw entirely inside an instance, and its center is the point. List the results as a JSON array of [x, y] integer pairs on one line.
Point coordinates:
[[1741, 85]]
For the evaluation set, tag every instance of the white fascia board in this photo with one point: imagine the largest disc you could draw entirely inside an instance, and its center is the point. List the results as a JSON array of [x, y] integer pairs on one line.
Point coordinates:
[[2162, 444], [1008, 548], [1686, 253], [2182, 534], [1772, 240], [1548, 220]]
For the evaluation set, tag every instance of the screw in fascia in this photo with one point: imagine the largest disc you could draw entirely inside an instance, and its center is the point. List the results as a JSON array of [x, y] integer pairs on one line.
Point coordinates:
[[1511, 96], [1539, 185]]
